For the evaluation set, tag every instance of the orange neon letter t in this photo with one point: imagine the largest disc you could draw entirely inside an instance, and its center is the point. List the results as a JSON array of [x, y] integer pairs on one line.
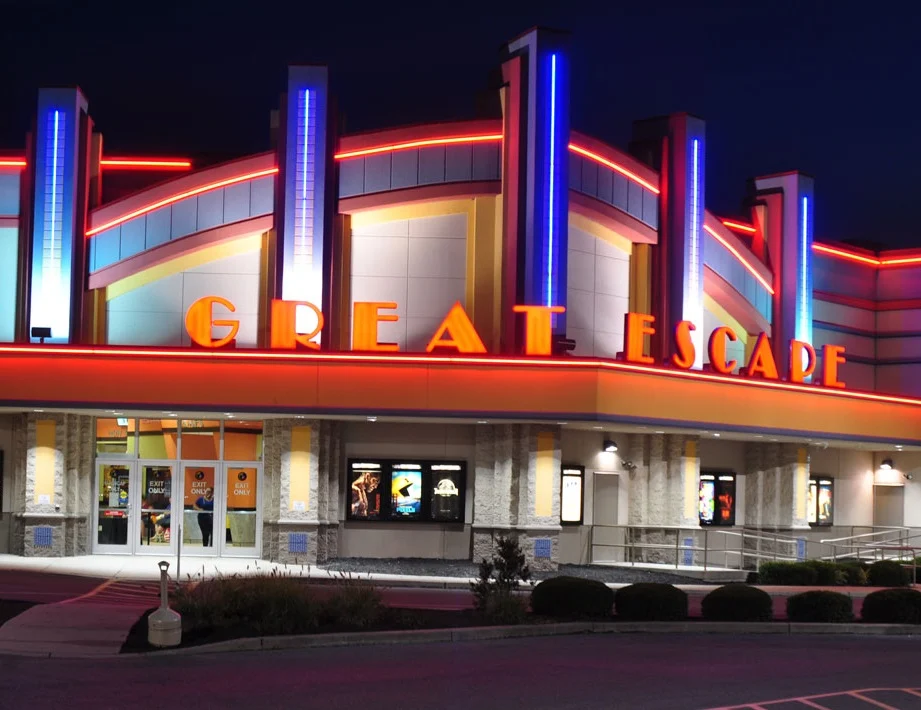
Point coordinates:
[[460, 331], [538, 325], [636, 327], [365, 318], [716, 346], [199, 320]]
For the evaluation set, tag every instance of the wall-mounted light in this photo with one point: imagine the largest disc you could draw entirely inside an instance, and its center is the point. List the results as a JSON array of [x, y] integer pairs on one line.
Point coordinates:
[[41, 333], [886, 465], [610, 446]]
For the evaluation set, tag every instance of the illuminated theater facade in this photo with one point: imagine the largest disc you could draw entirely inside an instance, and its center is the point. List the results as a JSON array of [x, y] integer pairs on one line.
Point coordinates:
[[407, 342]]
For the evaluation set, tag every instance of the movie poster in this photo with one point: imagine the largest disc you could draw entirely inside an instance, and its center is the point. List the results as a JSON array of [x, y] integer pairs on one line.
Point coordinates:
[[365, 488], [406, 491], [706, 504], [446, 492]]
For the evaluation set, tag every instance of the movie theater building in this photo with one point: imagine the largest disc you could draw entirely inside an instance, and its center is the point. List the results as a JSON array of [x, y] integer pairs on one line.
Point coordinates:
[[407, 342]]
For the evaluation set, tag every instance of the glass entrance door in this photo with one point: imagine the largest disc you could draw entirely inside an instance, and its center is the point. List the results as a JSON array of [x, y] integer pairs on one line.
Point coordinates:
[[115, 499], [242, 519], [154, 533], [221, 509]]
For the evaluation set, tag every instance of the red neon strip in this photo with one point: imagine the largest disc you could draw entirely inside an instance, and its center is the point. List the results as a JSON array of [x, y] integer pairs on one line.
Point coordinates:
[[12, 163], [841, 253], [614, 166], [739, 227], [901, 261], [422, 143], [181, 196], [128, 163], [400, 358], [742, 260]]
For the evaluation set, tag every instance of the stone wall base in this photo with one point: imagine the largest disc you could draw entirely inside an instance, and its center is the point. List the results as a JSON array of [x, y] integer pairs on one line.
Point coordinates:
[[300, 543], [49, 536], [541, 547]]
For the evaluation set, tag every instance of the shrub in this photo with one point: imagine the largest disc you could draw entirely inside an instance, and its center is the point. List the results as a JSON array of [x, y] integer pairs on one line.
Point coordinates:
[[888, 573], [788, 573], [352, 604], [827, 574], [572, 596], [499, 578], [820, 606], [737, 602], [892, 606], [268, 604], [854, 573], [649, 601]]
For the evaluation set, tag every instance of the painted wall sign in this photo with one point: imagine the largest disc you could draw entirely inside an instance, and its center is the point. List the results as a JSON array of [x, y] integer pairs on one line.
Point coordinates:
[[458, 334]]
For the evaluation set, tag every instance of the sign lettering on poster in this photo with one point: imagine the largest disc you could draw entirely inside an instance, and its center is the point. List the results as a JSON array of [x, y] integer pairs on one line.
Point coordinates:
[[241, 482], [198, 479], [457, 333]]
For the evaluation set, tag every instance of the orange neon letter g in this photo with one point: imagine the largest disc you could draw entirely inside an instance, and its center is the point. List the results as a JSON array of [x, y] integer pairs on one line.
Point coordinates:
[[538, 328], [199, 320], [365, 317], [636, 327], [717, 349]]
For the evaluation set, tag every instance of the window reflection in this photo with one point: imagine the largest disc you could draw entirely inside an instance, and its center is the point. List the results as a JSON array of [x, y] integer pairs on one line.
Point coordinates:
[[201, 439], [242, 440], [115, 436], [158, 438]]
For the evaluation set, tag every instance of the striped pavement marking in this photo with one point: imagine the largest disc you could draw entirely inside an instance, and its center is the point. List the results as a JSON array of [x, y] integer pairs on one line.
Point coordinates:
[[826, 701], [121, 593]]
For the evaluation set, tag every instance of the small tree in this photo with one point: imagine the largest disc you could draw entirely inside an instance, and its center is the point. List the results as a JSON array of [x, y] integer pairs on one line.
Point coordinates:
[[501, 575]]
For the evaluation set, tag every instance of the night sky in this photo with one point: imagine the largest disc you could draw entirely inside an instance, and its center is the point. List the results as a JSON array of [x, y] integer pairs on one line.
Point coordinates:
[[827, 88]]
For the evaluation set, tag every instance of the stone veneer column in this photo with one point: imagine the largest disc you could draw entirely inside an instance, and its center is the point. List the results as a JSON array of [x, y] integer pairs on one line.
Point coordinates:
[[295, 530], [517, 491], [59, 524], [636, 462]]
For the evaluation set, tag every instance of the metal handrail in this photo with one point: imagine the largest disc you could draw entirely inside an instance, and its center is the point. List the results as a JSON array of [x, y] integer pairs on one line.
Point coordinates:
[[872, 534]]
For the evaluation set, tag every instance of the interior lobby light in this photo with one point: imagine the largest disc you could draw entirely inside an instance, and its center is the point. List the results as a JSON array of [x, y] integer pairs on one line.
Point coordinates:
[[610, 446], [886, 465]]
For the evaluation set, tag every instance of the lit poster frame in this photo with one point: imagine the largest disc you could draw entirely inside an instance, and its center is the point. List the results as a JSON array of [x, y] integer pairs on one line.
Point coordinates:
[[406, 491], [572, 495]]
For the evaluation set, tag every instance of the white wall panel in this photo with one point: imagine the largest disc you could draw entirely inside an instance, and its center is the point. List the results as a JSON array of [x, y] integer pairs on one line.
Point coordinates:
[[898, 321], [859, 318]]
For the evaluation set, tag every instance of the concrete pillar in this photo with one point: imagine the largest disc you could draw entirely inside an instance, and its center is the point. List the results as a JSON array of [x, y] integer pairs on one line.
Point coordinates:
[[683, 480], [636, 463], [517, 491], [301, 486], [53, 462]]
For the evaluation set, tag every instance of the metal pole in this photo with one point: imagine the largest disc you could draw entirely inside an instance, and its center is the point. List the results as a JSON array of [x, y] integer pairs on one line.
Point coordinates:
[[677, 541], [742, 550], [178, 550], [706, 547]]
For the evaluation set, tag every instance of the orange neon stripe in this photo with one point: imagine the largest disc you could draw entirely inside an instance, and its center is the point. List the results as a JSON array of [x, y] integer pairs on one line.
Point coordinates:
[[12, 163], [403, 358], [742, 260], [739, 226], [832, 251], [614, 166], [421, 143], [145, 163], [181, 196], [901, 261]]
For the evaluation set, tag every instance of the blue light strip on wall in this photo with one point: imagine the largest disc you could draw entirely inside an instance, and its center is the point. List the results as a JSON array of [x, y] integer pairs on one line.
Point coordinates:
[[804, 315], [693, 303], [303, 244], [551, 207]]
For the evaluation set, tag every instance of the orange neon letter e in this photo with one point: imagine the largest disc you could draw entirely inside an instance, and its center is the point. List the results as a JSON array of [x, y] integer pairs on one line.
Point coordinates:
[[832, 356], [636, 327], [365, 317]]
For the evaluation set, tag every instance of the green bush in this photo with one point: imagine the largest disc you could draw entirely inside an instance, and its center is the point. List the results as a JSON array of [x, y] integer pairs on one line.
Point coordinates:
[[572, 596], [820, 606], [892, 606], [353, 604], [500, 576], [505, 608], [737, 602], [649, 601], [268, 604], [854, 573], [827, 574], [888, 573], [796, 574]]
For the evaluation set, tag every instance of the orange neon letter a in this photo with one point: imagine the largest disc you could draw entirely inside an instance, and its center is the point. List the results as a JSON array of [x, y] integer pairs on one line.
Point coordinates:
[[284, 335], [636, 327], [762, 360], [460, 331], [365, 317], [538, 328], [199, 320]]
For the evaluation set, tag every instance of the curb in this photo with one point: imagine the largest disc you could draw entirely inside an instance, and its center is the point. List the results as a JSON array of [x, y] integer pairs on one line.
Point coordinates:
[[489, 633]]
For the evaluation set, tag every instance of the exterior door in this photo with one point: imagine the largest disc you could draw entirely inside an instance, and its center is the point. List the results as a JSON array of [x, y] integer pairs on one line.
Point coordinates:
[[200, 498], [116, 506], [888, 506], [156, 486]]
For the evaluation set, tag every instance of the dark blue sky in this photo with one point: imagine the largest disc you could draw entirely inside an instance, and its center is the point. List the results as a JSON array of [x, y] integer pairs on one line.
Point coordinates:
[[827, 88]]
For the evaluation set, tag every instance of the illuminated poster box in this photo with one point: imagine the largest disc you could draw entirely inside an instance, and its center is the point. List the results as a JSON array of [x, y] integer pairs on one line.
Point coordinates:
[[419, 491]]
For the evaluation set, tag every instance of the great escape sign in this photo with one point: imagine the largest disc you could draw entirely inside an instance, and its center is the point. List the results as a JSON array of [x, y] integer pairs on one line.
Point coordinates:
[[457, 334]]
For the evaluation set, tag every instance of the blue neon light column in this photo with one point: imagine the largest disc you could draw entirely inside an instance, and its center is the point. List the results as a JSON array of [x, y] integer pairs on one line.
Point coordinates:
[[59, 215], [302, 213], [789, 200], [542, 133]]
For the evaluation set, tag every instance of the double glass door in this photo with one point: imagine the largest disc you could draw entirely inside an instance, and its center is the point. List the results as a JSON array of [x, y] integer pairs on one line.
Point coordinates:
[[146, 506]]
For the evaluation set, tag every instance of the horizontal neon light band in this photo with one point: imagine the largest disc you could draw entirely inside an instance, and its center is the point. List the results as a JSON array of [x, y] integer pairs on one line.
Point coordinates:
[[741, 259], [613, 166], [12, 163], [422, 143], [145, 163], [181, 196], [832, 251], [474, 360], [900, 261], [739, 227]]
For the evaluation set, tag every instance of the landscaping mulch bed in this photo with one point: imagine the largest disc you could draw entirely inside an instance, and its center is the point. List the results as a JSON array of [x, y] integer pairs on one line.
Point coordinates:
[[10, 609], [393, 619]]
